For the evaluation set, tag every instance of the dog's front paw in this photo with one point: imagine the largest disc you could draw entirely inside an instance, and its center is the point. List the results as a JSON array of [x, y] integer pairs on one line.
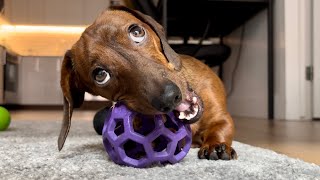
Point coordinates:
[[216, 152]]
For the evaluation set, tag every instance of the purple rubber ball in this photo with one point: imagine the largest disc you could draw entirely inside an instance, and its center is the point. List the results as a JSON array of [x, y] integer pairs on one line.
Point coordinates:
[[138, 140]]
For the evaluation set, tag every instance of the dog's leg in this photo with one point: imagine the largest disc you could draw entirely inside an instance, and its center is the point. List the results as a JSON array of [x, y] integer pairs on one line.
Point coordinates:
[[217, 140]]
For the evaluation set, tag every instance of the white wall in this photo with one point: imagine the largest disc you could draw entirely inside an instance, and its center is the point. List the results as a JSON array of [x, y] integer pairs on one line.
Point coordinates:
[[54, 12], [292, 53], [249, 97]]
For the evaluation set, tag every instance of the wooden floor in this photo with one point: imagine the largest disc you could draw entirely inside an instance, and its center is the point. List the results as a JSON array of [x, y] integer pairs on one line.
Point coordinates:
[[295, 139]]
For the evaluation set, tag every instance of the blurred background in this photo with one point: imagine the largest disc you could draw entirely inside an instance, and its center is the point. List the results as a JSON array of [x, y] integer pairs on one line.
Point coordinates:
[[267, 52]]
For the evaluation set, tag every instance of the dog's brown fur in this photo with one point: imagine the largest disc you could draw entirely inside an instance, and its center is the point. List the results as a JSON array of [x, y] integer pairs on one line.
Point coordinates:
[[139, 72]]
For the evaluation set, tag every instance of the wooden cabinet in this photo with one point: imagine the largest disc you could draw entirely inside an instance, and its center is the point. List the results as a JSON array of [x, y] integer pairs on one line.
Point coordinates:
[[39, 81], [54, 12]]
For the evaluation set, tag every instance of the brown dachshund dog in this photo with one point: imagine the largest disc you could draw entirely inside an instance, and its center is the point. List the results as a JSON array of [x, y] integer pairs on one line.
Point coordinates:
[[124, 56]]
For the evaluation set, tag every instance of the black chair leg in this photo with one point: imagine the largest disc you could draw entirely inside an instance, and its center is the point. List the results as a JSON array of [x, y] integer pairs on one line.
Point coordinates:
[[220, 73]]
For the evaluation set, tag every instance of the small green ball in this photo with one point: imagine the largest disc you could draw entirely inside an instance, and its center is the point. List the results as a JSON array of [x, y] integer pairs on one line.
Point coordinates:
[[4, 118]]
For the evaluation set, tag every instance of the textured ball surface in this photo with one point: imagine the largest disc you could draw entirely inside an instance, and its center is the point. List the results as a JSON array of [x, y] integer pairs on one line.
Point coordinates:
[[138, 140], [4, 118]]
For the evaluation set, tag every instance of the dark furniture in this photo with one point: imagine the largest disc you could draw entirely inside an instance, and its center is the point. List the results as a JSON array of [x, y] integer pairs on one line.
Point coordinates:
[[186, 19]]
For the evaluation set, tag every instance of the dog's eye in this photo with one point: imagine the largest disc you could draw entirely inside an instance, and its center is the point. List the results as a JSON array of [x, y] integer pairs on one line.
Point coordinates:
[[101, 76], [136, 33]]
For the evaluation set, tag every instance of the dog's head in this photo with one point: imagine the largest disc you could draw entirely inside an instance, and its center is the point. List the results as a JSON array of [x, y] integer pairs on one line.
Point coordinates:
[[124, 56]]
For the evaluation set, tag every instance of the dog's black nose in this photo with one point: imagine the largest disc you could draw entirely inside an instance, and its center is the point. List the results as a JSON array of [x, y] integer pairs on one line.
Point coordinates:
[[169, 99]]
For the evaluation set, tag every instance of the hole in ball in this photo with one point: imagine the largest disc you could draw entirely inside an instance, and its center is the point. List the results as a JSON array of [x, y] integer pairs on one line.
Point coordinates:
[[160, 143], [169, 124], [143, 124], [134, 150], [119, 129], [181, 144]]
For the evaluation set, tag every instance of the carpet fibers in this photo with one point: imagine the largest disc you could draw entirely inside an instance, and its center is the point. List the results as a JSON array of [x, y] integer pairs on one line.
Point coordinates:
[[28, 150]]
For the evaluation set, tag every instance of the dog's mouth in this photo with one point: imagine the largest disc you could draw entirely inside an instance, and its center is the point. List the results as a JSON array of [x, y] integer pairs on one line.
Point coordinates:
[[189, 110]]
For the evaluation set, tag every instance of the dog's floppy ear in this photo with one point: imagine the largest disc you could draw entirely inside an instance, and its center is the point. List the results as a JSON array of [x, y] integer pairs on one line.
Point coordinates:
[[73, 95], [169, 53]]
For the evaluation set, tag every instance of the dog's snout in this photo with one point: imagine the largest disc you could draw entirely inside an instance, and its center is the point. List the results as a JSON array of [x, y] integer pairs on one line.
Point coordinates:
[[167, 101]]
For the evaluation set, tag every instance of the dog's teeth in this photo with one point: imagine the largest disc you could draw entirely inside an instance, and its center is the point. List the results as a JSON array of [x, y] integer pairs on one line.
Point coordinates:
[[189, 117], [182, 115], [196, 109], [194, 100], [195, 112]]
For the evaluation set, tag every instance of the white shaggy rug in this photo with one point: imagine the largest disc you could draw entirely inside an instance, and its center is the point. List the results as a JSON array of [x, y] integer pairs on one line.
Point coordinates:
[[28, 150]]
